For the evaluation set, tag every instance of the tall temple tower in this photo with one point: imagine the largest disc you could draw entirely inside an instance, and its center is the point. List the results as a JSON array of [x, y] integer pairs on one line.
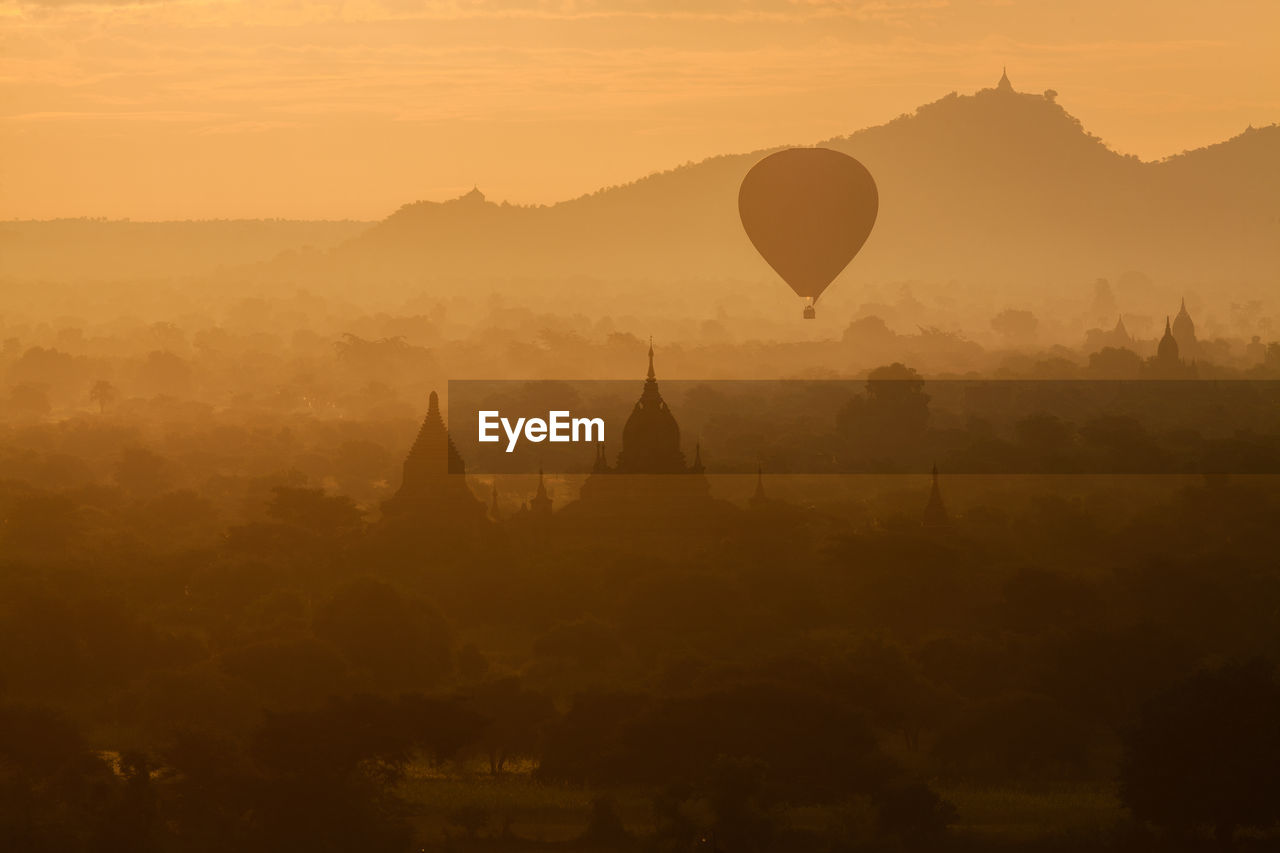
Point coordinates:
[[540, 505], [650, 446], [651, 436], [1167, 350], [1120, 335], [433, 489], [1169, 361], [1184, 331]]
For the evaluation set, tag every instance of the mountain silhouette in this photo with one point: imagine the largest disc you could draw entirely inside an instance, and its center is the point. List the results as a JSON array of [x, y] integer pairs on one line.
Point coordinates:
[[998, 186]]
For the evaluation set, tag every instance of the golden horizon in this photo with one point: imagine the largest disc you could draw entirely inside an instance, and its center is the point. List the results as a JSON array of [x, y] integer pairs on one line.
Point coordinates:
[[211, 110]]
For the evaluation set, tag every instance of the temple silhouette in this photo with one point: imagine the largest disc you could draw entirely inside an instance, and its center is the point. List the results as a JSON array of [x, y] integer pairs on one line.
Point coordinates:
[[650, 447], [1174, 355], [433, 494], [1184, 332], [648, 488], [1169, 361], [1004, 85], [649, 484]]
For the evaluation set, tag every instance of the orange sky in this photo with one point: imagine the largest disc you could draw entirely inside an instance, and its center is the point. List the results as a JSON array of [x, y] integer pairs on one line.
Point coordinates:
[[174, 109]]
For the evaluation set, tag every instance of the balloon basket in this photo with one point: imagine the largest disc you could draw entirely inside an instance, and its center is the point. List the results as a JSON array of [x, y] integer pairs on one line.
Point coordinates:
[[810, 313]]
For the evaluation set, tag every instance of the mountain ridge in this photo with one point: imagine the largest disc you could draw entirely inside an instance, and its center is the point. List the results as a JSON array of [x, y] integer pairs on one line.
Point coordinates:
[[998, 185]]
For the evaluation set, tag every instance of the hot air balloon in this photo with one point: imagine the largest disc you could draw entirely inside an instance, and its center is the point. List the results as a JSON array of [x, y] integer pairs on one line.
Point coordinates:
[[808, 211]]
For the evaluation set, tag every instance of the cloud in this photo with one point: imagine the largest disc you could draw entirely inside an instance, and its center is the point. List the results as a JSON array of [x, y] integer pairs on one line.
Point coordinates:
[[743, 10], [69, 4]]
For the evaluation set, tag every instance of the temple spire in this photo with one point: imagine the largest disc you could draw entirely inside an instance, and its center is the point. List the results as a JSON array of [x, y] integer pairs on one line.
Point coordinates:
[[935, 512], [433, 451], [427, 494], [541, 503], [758, 500], [650, 396], [1167, 351], [1184, 331]]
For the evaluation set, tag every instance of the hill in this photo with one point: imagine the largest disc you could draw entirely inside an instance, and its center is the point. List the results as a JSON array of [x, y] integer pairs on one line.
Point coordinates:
[[998, 187]]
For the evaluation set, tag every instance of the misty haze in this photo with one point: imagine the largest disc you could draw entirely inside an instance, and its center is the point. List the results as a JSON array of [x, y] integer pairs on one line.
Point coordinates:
[[972, 548]]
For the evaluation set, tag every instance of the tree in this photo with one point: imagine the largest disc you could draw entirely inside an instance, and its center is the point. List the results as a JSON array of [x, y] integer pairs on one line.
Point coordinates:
[[313, 510], [738, 793], [103, 393], [1206, 751], [42, 521], [586, 733], [384, 360], [516, 717], [1114, 363], [359, 464], [868, 331], [133, 825], [890, 417], [304, 780], [396, 641], [55, 793], [48, 368], [1017, 736], [730, 807], [470, 818], [877, 677], [1272, 357], [1016, 325], [347, 739], [141, 471], [288, 673], [30, 399], [165, 373], [814, 746], [440, 728], [1047, 441], [605, 826], [586, 642], [913, 811]]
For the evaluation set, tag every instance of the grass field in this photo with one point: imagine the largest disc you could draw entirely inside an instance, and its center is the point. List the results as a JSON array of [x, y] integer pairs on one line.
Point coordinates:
[[513, 800], [443, 799], [1020, 814]]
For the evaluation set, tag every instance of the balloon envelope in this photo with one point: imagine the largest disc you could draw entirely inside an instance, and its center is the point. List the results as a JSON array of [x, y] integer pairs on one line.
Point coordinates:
[[808, 211]]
